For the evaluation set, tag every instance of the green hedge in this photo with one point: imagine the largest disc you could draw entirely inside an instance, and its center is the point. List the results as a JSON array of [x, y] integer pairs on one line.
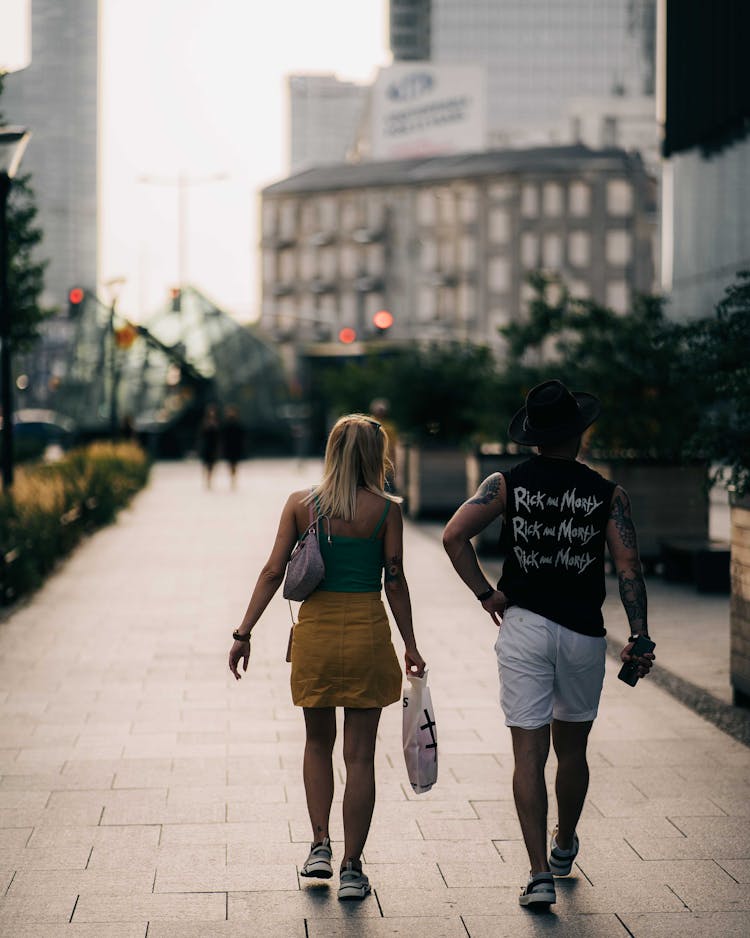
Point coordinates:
[[53, 505]]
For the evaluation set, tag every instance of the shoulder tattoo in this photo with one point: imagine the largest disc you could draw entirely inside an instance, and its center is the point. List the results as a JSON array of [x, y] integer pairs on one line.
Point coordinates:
[[488, 490]]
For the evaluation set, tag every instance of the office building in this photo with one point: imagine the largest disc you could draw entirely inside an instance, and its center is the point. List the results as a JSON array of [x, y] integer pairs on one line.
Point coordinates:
[[325, 116], [446, 244], [539, 54]]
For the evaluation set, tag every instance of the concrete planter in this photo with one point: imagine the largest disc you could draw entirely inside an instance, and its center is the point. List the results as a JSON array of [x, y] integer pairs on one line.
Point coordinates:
[[739, 615], [432, 480], [669, 502]]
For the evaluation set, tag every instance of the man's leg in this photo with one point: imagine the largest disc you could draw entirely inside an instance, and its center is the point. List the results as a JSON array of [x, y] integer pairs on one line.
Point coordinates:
[[530, 749], [572, 781]]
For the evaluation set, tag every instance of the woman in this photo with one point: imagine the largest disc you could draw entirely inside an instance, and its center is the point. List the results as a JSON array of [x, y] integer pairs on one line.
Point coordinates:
[[208, 441], [342, 654]]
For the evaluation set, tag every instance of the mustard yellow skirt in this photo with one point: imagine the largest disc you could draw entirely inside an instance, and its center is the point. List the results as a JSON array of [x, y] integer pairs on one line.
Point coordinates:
[[342, 654]]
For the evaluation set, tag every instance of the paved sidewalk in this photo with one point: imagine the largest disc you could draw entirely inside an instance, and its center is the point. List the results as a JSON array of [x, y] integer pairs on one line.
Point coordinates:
[[145, 794]]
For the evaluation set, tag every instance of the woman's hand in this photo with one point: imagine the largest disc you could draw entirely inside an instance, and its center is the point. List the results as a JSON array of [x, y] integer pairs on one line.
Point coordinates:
[[414, 663], [240, 651]]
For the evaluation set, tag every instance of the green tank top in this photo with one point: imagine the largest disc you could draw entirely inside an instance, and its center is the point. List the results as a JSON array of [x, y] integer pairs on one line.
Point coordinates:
[[353, 564]]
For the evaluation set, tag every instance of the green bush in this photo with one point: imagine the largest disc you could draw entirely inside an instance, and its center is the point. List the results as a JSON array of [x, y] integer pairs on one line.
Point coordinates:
[[53, 505]]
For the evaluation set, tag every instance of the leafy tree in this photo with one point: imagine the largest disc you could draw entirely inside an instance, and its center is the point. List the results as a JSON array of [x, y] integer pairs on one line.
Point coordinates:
[[629, 361], [25, 271], [715, 361]]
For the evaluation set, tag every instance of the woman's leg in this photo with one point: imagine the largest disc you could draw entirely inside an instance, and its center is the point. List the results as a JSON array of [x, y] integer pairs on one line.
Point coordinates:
[[360, 733], [317, 767]]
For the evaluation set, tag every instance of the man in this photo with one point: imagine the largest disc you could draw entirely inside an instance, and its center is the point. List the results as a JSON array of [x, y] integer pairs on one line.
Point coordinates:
[[557, 515]]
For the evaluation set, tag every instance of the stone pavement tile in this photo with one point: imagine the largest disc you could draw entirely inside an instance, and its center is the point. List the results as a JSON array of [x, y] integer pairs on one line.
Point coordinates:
[[274, 832], [257, 877], [531, 925], [175, 907], [739, 870], [405, 927], [315, 900], [686, 924], [51, 858], [245, 812], [267, 928], [261, 795], [715, 898], [576, 894], [640, 807], [417, 876], [14, 838], [398, 902], [677, 874], [107, 858], [736, 805], [105, 837], [99, 930], [196, 813], [21, 909], [6, 876], [473, 768], [503, 828], [57, 781], [244, 855], [723, 826], [492, 872], [46, 882], [7, 759], [427, 851]]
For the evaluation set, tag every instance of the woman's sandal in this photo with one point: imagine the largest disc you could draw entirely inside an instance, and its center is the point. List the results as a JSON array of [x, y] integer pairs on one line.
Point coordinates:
[[540, 890]]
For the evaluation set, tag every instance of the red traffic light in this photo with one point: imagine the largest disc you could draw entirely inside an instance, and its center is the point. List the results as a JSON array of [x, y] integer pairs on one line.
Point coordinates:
[[382, 319], [76, 295], [347, 335]]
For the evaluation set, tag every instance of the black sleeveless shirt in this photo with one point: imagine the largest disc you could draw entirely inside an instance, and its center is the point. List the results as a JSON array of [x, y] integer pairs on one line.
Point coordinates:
[[554, 535]]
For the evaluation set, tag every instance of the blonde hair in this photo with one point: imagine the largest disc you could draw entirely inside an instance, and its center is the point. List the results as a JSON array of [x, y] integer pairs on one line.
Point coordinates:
[[356, 457]]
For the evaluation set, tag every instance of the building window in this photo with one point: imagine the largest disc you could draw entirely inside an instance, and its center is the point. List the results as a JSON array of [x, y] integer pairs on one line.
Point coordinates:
[[466, 301], [579, 289], [286, 266], [375, 210], [618, 248], [428, 255], [327, 214], [468, 205], [579, 248], [617, 296], [529, 250], [349, 215], [269, 218], [467, 254], [446, 206], [529, 201], [552, 251], [307, 264], [426, 207], [498, 274], [374, 259], [552, 196], [348, 307], [327, 262], [499, 226], [580, 199], [288, 220], [348, 260], [619, 197], [427, 308], [269, 266], [500, 191]]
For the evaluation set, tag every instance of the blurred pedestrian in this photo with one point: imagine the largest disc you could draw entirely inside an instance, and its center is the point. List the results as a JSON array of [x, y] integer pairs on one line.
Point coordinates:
[[232, 441], [559, 515], [341, 652], [209, 438]]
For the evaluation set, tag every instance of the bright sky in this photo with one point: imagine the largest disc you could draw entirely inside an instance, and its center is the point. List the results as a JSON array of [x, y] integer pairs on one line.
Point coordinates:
[[198, 86]]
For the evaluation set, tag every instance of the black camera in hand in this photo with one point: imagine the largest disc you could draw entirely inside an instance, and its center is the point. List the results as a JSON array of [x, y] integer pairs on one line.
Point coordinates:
[[629, 671]]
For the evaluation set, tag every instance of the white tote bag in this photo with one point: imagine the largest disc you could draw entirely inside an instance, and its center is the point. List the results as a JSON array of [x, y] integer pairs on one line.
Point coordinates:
[[420, 735]]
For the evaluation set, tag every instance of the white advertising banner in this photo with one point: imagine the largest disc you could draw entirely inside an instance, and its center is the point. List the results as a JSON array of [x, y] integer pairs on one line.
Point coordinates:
[[420, 109], [15, 35]]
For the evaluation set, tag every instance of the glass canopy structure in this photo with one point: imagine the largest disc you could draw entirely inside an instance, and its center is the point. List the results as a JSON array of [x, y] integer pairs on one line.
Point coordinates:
[[159, 377]]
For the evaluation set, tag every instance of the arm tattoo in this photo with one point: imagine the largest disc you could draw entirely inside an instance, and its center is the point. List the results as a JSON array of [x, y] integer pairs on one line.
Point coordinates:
[[393, 569], [633, 596], [620, 514], [487, 491]]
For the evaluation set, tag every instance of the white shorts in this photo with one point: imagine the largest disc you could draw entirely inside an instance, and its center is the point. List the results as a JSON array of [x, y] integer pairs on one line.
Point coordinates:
[[547, 671]]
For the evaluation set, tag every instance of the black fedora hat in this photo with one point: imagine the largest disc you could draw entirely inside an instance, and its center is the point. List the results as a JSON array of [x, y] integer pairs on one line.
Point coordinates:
[[552, 413]]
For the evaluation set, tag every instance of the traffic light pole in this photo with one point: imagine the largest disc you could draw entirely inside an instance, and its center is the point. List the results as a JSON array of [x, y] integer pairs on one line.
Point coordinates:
[[6, 377]]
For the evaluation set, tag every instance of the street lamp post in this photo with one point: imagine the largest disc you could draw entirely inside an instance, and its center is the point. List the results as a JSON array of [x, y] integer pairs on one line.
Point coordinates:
[[182, 181], [13, 142], [113, 287]]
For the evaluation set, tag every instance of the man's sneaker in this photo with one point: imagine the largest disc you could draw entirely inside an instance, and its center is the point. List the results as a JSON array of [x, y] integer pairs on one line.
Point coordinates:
[[540, 890], [318, 863], [561, 861], [354, 883]]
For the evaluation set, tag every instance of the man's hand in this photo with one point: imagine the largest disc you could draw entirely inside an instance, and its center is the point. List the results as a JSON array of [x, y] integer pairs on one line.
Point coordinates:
[[240, 651], [644, 661], [495, 605]]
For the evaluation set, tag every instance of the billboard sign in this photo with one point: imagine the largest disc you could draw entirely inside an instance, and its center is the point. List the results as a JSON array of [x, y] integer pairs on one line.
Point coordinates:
[[420, 109]]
